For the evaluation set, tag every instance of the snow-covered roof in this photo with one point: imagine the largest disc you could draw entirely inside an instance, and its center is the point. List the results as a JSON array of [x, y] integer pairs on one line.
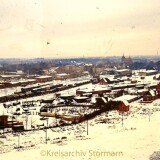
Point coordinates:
[[122, 70], [78, 97], [89, 64], [41, 77], [20, 72], [3, 110], [28, 80], [125, 98], [62, 74], [9, 76], [142, 90], [92, 89], [152, 92], [13, 82], [109, 69], [151, 71], [110, 77]]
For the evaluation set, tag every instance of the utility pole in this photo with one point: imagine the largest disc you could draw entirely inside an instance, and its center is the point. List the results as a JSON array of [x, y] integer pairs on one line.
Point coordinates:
[[26, 121], [46, 131], [31, 122], [149, 114], [87, 126], [18, 141], [3, 122], [122, 119]]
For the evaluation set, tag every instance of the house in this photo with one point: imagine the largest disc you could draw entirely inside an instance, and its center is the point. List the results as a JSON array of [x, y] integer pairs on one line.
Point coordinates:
[[123, 107], [158, 89], [149, 96], [108, 80], [3, 120], [104, 81]]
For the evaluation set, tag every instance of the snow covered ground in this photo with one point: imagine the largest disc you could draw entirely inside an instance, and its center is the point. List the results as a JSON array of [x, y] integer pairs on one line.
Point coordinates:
[[137, 139]]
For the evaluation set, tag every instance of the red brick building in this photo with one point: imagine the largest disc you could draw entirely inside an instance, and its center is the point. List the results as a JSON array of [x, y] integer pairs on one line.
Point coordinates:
[[149, 96], [158, 89], [3, 120], [122, 107]]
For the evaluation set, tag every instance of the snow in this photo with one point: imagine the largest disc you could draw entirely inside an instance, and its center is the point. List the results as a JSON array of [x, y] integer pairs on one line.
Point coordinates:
[[123, 70], [41, 77], [136, 138], [9, 76], [125, 97], [94, 88], [3, 110], [62, 74]]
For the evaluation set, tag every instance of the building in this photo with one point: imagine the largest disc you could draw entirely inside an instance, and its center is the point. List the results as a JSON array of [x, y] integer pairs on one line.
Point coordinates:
[[27, 82], [124, 72], [97, 90], [1, 86], [127, 98], [144, 72], [11, 84], [3, 121], [125, 62], [62, 76], [8, 78], [123, 107], [158, 89], [151, 72], [41, 79], [149, 96], [108, 80]]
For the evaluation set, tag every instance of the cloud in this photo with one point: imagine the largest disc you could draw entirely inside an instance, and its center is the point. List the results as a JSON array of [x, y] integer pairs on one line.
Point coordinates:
[[78, 27]]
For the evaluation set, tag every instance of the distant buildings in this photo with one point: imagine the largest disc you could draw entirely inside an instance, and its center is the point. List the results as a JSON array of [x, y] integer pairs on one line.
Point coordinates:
[[144, 72], [124, 72], [45, 78]]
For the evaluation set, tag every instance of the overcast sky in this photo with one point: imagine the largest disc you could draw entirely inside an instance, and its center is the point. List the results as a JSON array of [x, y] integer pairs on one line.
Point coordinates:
[[79, 28]]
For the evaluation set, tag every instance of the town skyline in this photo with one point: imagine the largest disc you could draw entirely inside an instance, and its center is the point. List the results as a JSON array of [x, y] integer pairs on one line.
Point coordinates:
[[58, 29]]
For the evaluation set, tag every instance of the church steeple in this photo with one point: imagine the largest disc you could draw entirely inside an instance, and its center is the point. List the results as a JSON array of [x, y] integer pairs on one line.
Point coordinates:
[[123, 58]]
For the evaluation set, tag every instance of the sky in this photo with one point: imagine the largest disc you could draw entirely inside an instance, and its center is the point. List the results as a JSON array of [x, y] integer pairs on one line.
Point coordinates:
[[79, 28]]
